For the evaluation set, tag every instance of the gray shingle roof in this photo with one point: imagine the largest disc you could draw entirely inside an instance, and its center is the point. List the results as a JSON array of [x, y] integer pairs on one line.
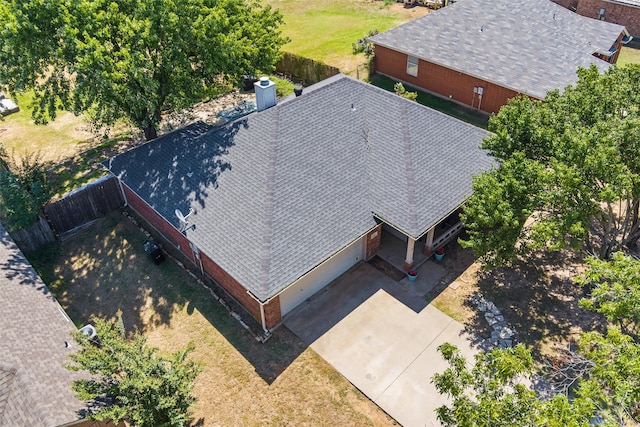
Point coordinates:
[[530, 46], [279, 191], [35, 388]]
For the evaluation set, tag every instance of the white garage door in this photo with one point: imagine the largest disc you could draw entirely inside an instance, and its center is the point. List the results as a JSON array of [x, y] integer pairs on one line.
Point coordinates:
[[324, 274]]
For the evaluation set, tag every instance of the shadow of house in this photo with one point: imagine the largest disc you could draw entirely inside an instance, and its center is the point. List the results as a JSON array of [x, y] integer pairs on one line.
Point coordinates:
[[282, 201]]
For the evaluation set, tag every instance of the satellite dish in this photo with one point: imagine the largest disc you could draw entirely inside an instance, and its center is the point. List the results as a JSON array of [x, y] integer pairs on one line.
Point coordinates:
[[184, 224]]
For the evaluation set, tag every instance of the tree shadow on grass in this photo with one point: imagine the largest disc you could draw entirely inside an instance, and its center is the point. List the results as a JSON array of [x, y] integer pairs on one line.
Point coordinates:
[[103, 269], [539, 300]]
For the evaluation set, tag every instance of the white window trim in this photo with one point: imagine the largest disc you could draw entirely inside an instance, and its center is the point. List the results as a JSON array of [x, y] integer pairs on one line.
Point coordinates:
[[412, 65]]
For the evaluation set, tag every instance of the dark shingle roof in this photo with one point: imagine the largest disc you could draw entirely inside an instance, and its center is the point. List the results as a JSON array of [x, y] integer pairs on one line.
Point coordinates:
[[35, 387], [530, 46], [279, 191]]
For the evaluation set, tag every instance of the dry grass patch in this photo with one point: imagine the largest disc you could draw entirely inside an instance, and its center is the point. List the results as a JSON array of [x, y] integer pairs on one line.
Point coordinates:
[[103, 268], [538, 297]]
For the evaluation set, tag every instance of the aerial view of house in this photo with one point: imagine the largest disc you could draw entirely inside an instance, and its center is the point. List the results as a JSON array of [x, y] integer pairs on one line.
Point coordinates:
[[481, 53], [275, 205]]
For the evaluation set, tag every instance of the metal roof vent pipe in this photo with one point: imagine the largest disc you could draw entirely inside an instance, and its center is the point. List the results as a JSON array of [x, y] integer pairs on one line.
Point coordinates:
[[298, 90], [265, 93]]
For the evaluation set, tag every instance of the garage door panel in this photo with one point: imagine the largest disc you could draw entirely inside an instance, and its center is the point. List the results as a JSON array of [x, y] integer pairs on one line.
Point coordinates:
[[321, 276]]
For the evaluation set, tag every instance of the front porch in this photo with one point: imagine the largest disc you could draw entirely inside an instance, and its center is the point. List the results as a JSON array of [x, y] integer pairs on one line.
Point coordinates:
[[404, 252]]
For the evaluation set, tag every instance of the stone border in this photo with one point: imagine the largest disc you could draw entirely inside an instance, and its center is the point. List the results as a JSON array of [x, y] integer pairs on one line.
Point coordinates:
[[501, 333]]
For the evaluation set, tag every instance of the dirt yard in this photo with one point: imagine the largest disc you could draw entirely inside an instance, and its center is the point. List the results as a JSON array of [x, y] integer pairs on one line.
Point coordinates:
[[537, 297], [103, 268]]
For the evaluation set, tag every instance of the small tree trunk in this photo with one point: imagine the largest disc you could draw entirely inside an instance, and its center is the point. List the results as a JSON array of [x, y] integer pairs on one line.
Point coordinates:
[[150, 132]]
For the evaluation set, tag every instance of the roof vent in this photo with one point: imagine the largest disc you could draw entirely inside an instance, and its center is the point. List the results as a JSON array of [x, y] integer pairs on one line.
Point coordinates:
[[298, 91], [265, 93]]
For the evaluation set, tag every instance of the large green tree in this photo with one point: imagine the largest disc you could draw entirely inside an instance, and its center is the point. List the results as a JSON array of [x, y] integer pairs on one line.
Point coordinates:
[[569, 171], [132, 59], [129, 381], [495, 392], [615, 289], [603, 374]]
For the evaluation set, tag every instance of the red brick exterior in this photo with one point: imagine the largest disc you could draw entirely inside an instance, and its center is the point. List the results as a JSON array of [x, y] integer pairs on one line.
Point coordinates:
[[372, 242], [271, 310], [621, 14], [442, 81], [569, 4], [158, 222]]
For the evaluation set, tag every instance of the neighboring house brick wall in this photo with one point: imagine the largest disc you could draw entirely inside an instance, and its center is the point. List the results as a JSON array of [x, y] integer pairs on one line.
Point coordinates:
[[443, 81], [569, 4], [372, 242], [620, 14], [213, 270]]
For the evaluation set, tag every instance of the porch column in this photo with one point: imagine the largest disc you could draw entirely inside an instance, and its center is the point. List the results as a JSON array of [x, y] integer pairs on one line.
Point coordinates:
[[428, 246], [408, 261]]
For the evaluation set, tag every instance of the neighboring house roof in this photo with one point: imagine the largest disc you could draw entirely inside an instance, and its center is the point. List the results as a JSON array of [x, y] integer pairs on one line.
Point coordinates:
[[635, 3], [279, 191], [530, 46], [35, 387]]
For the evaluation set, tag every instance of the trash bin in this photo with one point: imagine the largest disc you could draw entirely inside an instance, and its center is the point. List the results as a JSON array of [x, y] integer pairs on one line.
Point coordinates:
[[154, 251]]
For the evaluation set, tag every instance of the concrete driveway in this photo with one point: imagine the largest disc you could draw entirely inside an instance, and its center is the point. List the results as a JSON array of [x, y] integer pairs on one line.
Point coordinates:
[[382, 336]]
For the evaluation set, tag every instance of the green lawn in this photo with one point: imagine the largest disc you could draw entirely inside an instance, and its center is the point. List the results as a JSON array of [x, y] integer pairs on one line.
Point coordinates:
[[437, 103], [629, 55], [57, 140], [325, 29]]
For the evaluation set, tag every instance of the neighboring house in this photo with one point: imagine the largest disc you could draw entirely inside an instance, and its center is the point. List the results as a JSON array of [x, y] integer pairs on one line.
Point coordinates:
[[622, 12], [481, 53], [287, 198], [35, 342]]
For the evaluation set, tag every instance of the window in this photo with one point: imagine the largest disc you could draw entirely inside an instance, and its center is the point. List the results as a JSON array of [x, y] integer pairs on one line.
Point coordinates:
[[412, 66], [601, 14]]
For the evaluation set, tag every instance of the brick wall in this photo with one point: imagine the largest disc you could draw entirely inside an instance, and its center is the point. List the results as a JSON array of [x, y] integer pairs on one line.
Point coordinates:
[[272, 310], [158, 222], [372, 242], [629, 16], [569, 4], [621, 14], [239, 292], [443, 81]]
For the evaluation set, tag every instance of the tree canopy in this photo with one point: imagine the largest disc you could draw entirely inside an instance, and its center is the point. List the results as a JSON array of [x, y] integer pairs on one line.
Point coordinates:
[[24, 188], [496, 391], [124, 59], [569, 171], [130, 381], [598, 380]]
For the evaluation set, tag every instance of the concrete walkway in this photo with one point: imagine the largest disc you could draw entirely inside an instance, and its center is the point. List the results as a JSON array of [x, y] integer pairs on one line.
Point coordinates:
[[382, 336]]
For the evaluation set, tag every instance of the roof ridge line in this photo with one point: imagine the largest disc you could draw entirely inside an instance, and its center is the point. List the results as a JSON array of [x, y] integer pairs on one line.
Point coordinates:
[[267, 234], [409, 166]]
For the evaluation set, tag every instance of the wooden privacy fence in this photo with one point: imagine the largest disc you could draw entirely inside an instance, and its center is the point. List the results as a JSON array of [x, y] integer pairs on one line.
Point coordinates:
[[33, 237], [84, 205], [305, 69]]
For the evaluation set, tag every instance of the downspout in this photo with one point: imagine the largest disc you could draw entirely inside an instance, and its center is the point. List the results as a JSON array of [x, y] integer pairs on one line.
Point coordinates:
[[262, 318]]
